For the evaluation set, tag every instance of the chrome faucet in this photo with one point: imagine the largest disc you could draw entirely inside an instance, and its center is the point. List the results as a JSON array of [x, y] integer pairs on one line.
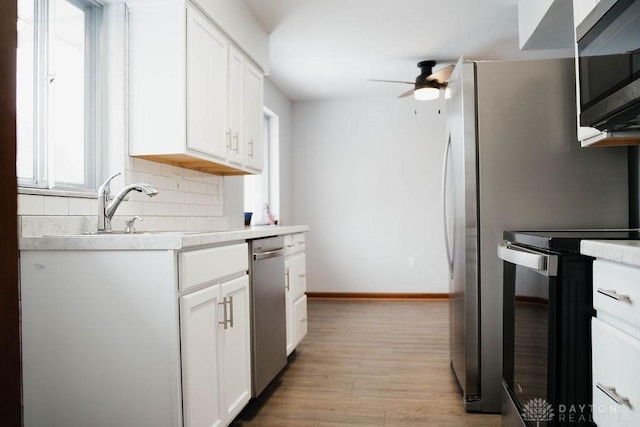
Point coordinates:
[[107, 207]]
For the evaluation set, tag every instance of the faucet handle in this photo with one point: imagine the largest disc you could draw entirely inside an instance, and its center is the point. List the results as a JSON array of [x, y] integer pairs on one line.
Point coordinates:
[[105, 187], [130, 226]]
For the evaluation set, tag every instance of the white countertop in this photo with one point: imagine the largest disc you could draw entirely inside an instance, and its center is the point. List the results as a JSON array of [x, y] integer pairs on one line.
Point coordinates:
[[622, 251], [153, 240]]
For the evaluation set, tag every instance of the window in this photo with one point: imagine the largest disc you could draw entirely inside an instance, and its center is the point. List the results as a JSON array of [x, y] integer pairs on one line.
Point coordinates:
[[57, 93], [264, 188]]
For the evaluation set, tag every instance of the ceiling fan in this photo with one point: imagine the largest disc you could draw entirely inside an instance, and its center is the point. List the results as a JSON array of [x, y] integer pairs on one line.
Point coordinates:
[[428, 84]]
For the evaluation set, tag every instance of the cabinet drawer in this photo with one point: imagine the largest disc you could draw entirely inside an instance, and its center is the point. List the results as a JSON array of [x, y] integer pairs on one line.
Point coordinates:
[[300, 241], [297, 275], [295, 243], [616, 292], [207, 265], [615, 376]]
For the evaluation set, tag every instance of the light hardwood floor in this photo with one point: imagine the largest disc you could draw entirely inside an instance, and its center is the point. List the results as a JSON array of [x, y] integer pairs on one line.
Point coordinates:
[[367, 363]]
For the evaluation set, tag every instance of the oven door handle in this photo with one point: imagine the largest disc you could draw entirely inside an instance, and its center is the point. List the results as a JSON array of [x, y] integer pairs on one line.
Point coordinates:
[[540, 262]]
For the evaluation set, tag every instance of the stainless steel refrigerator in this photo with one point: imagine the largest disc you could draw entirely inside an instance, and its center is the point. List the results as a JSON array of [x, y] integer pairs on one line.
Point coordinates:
[[512, 161]]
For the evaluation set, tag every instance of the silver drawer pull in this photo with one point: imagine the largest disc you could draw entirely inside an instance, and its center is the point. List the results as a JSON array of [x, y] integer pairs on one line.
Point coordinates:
[[611, 393], [613, 294]]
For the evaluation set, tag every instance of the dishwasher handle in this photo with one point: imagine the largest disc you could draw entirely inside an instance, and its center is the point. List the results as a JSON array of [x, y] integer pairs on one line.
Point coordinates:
[[539, 262], [269, 254]]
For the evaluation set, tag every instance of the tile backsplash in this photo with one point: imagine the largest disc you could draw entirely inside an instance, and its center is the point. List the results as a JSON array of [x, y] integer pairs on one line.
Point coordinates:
[[187, 200]]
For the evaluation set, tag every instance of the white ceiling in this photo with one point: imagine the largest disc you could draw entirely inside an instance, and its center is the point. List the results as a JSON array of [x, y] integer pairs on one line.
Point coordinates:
[[329, 48]]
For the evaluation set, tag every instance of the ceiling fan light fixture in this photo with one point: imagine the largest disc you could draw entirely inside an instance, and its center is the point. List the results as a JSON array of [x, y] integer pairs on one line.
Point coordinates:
[[426, 93]]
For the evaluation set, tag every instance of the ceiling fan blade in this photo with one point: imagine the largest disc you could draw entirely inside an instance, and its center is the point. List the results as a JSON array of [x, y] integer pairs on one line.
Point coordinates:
[[443, 75], [407, 93], [390, 81]]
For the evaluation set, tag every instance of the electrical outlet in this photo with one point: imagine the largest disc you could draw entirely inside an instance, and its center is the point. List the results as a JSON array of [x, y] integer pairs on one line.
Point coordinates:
[[412, 262]]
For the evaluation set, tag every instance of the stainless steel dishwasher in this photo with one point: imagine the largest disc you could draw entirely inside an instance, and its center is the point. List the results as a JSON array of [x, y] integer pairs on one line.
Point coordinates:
[[268, 321]]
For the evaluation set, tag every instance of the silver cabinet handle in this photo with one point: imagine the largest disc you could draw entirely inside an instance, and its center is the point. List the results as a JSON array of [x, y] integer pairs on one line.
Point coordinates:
[[444, 207], [237, 138], [228, 134], [540, 262], [224, 312], [614, 295], [269, 254], [227, 322], [286, 282], [251, 145], [302, 275], [611, 393]]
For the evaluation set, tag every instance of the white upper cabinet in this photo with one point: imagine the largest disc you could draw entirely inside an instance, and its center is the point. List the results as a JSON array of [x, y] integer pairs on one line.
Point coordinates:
[[207, 51], [236, 104], [246, 88], [187, 102], [253, 112]]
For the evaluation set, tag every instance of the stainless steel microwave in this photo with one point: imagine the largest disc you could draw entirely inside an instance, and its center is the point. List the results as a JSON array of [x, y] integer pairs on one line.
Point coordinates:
[[609, 66]]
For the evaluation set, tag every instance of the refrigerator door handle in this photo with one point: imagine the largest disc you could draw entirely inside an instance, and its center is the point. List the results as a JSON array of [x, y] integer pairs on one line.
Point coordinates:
[[444, 205], [540, 262]]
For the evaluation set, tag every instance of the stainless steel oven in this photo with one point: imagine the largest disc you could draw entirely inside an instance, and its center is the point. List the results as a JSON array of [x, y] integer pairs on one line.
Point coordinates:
[[547, 326], [529, 276]]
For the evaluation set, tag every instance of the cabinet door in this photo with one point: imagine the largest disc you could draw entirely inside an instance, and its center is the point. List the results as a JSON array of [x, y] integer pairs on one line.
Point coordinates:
[[300, 318], [235, 345], [254, 115], [616, 391], [298, 273], [288, 303], [236, 89], [207, 58], [199, 314]]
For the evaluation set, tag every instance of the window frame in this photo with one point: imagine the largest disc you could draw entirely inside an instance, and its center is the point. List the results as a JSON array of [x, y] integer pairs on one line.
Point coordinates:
[[43, 163]]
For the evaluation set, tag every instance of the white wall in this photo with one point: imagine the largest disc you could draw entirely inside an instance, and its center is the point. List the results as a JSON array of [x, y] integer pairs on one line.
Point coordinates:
[[366, 177]]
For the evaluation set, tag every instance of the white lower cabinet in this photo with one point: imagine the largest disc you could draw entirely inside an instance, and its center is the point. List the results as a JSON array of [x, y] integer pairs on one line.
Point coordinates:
[[616, 344], [300, 318], [236, 348], [616, 390], [215, 350], [296, 286], [199, 314], [112, 338]]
